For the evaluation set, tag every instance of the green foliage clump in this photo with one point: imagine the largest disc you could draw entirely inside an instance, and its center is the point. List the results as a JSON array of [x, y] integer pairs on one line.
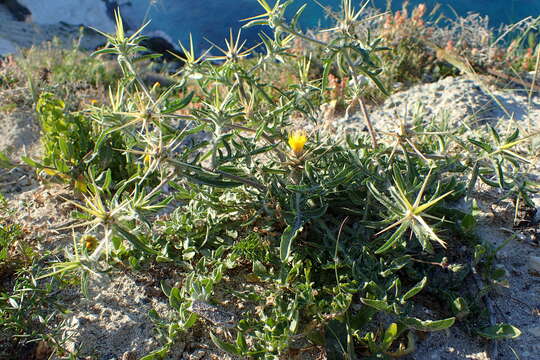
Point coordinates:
[[27, 309], [67, 67], [253, 247], [28, 315], [66, 138], [12, 251], [69, 142], [15, 252]]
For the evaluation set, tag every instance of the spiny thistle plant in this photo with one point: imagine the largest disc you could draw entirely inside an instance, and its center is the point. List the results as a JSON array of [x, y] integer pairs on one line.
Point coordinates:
[[322, 232]]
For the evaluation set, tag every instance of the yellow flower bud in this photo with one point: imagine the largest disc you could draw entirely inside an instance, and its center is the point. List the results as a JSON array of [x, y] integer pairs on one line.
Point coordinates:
[[89, 242], [147, 159], [80, 184]]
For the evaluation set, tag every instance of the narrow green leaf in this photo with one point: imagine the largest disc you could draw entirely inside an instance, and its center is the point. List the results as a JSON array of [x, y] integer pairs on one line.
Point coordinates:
[[394, 238], [500, 174], [513, 137], [377, 304], [500, 331], [481, 145], [134, 240], [180, 104], [489, 182], [495, 134], [174, 298], [108, 180], [191, 321], [241, 343], [415, 290], [31, 162], [5, 162], [474, 178], [296, 16], [287, 239], [382, 199], [105, 51], [428, 325], [395, 265], [157, 354], [229, 348], [214, 181], [389, 336]]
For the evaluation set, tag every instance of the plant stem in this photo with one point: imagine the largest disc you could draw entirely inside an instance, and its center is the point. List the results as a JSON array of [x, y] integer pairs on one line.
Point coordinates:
[[360, 101], [368, 122], [302, 36]]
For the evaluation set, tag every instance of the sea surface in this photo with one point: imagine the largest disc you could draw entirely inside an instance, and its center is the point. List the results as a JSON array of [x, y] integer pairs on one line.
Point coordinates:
[[212, 19]]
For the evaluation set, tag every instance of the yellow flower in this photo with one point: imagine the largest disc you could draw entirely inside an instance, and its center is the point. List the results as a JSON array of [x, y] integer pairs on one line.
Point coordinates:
[[297, 140]]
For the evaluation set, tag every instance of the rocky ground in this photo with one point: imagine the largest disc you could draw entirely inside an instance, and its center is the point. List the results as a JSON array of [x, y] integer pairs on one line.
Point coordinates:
[[115, 322]]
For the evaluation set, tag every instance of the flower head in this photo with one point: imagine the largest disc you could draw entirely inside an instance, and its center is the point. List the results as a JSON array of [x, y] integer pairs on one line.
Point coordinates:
[[297, 140], [89, 242], [147, 159]]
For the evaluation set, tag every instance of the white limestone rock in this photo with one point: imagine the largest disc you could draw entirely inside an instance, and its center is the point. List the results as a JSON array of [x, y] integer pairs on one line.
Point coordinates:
[[91, 13]]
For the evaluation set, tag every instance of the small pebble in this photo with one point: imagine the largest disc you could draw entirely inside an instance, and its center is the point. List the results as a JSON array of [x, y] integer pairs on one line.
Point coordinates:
[[197, 355], [129, 355]]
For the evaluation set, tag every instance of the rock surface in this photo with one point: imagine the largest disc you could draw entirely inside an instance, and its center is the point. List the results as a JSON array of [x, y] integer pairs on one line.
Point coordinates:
[[7, 47], [20, 12], [16, 34], [92, 13], [460, 100]]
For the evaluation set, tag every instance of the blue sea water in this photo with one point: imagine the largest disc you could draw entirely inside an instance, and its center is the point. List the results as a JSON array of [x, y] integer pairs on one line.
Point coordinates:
[[212, 19]]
